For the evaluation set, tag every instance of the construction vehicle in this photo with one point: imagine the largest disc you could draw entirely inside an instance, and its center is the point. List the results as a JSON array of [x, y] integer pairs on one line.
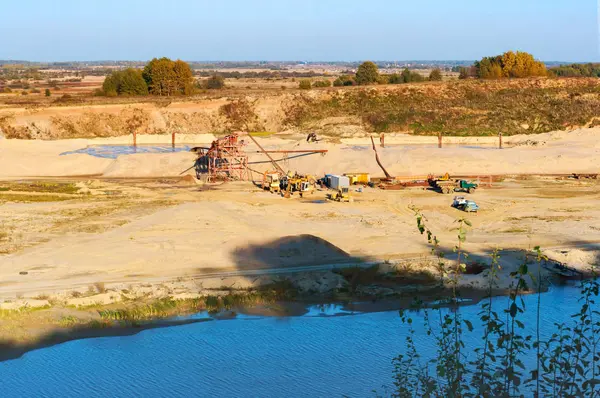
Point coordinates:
[[271, 181], [463, 204], [447, 185], [358, 178], [342, 195], [297, 183]]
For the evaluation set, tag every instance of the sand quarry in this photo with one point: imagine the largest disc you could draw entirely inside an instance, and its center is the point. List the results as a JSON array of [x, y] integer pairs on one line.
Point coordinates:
[[143, 222]]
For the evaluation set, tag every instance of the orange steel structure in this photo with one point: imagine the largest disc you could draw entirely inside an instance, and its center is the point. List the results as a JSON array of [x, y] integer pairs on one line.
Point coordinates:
[[225, 159]]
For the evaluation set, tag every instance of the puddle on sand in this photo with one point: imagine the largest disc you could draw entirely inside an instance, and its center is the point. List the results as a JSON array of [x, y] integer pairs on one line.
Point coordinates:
[[113, 151]]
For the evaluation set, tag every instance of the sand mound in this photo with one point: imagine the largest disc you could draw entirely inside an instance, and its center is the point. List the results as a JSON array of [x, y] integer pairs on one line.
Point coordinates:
[[289, 251]]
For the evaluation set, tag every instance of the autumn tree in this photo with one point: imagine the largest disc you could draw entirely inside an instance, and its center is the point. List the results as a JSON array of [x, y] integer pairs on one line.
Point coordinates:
[[184, 77], [367, 73], [166, 77], [435, 75], [510, 64]]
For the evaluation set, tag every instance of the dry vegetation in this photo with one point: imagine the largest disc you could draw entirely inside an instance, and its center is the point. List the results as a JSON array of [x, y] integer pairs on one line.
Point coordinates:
[[466, 107]]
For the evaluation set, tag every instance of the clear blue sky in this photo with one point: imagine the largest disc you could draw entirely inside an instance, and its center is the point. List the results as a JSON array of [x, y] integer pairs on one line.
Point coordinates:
[[311, 30]]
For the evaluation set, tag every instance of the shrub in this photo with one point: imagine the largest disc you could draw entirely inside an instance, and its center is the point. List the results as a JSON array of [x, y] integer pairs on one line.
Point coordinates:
[[48, 93], [24, 92], [215, 82], [305, 84], [435, 75], [344, 80], [240, 115], [322, 83], [367, 73]]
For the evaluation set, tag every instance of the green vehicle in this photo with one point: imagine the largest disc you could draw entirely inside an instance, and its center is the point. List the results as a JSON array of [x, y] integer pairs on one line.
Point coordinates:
[[464, 185], [449, 186]]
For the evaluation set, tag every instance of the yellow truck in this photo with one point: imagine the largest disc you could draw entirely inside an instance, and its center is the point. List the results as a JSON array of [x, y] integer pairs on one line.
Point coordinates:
[[271, 181]]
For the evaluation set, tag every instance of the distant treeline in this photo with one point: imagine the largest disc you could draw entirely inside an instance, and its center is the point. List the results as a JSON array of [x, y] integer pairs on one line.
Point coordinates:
[[266, 74], [576, 70]]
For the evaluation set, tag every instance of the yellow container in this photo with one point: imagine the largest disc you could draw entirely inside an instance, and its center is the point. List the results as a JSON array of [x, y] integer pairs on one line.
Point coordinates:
[[358, 178]]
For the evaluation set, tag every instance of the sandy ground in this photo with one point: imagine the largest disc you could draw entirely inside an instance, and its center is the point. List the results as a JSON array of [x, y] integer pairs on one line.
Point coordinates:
[[151, 232], [560, 152]]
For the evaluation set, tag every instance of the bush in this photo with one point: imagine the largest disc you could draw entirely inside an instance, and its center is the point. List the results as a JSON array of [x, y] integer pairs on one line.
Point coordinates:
[[7, 90], [24, 92], [215, 82], [48, 93], [344, 80], [383, 79], [322, 83], [305, 84], [240, 115], [367, 73], [435, 75]]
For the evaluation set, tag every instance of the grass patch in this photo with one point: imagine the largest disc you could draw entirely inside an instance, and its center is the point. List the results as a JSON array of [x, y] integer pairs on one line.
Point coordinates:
[[44, 187], [24, 198], [262, 133]]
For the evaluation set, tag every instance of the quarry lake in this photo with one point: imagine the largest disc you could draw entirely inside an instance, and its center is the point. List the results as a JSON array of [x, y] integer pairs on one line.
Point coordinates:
[[328, 352]]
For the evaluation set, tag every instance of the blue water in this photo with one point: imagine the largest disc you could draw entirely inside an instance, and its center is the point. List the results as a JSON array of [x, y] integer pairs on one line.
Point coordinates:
[[326, 353], [113, 151]]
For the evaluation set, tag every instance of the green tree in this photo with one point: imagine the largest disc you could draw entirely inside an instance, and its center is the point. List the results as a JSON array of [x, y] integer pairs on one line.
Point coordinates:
[[405, 77], [367, 73], [126, 82], [435, 75], [47, 92]]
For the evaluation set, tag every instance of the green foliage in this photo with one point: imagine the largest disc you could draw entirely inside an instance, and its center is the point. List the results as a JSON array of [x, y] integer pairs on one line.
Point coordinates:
[[576, 70], [304, 84], [322, 83], [510, 64], [126, 82], [567, 361], [47, 92], [166, 77], [435, 75], [367, 73], [344, 80], [215, 82]]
